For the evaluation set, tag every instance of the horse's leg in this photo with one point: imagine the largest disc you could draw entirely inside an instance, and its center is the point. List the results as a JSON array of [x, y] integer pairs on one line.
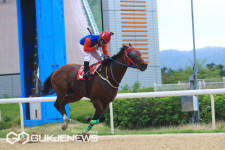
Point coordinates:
[[96, 117], [58, 102], [60, 87], [61, 95], [61, 109], [99, 116], [66, 100]]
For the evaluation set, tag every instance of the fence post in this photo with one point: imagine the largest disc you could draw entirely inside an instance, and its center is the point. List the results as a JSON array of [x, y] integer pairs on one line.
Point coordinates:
[[155, 88], [213, 112], [203, 83], [21, 117], [111, 117], [224, 82], [199, 85]]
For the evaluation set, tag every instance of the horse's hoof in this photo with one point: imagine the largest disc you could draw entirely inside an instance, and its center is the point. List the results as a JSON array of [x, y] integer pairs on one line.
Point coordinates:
[[64, 127], [87, 118]]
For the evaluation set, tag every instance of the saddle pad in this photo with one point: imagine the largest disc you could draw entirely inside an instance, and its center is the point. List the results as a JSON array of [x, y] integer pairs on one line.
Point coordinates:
[[92, 69]]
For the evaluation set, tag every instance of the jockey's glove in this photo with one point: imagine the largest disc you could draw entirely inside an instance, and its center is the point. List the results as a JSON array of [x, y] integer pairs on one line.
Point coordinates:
[[105, 59]]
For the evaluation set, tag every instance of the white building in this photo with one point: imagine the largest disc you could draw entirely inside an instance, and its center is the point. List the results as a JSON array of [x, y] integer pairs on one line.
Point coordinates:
[[135, 22]]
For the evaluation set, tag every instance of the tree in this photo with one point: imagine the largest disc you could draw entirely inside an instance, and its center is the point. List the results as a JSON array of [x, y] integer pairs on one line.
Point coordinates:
[[210, 66], [221, 69], [136, 86], [170, 76], [164, 69], [125, 87]]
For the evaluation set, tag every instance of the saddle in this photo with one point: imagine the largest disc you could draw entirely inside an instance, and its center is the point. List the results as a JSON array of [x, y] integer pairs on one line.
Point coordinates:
[[92, 69]]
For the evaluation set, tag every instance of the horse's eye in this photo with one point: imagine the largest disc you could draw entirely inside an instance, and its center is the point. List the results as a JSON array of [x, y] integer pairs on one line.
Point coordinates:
[[132, 54]]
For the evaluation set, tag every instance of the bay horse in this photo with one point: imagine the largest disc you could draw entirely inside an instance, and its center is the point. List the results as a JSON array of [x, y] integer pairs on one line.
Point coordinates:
[[101, 89]]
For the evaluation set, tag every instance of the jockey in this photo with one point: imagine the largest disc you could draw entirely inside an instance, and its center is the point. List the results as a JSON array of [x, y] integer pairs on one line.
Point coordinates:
[[89, 47]]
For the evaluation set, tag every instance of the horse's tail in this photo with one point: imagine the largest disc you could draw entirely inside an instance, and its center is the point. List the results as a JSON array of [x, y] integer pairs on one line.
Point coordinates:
[[46, 89]]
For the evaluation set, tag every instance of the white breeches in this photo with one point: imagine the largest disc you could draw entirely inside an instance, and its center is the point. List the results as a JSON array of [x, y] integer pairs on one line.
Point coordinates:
[[87, 55]]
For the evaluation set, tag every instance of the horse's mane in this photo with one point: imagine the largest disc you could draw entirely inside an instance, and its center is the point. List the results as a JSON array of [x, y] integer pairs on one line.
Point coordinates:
[[114, 57]]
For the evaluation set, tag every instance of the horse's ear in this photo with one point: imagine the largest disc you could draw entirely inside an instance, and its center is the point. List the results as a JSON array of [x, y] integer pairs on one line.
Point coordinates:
[[130, 45]]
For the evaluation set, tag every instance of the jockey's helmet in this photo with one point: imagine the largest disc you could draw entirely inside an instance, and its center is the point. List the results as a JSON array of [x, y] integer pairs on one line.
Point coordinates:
[[106, 36]]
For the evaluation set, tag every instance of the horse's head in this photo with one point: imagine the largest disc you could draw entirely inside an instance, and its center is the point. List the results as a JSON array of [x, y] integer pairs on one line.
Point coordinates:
[[133, 58]]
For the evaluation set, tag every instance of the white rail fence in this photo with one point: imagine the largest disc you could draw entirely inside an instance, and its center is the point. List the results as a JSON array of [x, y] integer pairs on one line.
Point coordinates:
[[125, 95], [211, 83]]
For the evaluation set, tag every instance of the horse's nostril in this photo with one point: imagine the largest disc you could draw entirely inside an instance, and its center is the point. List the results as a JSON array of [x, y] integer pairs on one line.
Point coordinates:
[[144, 65]]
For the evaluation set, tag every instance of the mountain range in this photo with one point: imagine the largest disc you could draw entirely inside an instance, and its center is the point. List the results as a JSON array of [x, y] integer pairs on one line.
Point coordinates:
[[176, 59]]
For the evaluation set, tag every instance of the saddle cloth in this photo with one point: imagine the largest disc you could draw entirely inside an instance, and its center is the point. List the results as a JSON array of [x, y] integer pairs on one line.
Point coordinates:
[[92, 69]]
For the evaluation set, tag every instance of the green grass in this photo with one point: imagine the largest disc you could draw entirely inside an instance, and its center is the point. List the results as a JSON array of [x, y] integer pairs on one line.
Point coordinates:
[[10, 115], [76, 127], [81, 109], [9, 110]]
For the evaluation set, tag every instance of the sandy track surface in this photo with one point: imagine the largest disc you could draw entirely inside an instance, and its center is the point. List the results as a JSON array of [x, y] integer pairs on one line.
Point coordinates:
[[134, 142]]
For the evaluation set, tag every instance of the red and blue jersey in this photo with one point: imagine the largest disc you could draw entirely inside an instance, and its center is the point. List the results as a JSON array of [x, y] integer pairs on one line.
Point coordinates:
[[93, 38], [90, 41]]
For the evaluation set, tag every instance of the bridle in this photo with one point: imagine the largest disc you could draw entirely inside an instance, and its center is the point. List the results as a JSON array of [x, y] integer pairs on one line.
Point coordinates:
[[130, 54], [128, 61]]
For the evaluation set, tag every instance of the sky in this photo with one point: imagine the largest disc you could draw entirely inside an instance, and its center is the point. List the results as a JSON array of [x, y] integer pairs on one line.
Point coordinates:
[[175, 25]]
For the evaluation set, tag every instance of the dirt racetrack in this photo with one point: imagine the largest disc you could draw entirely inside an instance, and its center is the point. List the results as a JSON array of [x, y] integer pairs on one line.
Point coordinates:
[[203, 141]]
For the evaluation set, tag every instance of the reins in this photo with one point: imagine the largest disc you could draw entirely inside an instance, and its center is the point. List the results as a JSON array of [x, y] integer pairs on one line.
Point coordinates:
[[112, 74], [106, 79], [132, 65]]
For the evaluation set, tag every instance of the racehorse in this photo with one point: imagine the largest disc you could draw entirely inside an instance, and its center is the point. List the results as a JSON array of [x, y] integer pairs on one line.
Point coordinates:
[[101, 89]]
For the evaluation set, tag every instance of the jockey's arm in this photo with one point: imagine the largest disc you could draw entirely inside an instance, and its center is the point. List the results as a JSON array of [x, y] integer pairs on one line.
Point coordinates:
[[87, 46], [105, 49]]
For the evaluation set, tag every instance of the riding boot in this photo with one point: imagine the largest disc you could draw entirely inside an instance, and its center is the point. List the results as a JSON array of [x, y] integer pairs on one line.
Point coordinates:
[[86, 70]]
